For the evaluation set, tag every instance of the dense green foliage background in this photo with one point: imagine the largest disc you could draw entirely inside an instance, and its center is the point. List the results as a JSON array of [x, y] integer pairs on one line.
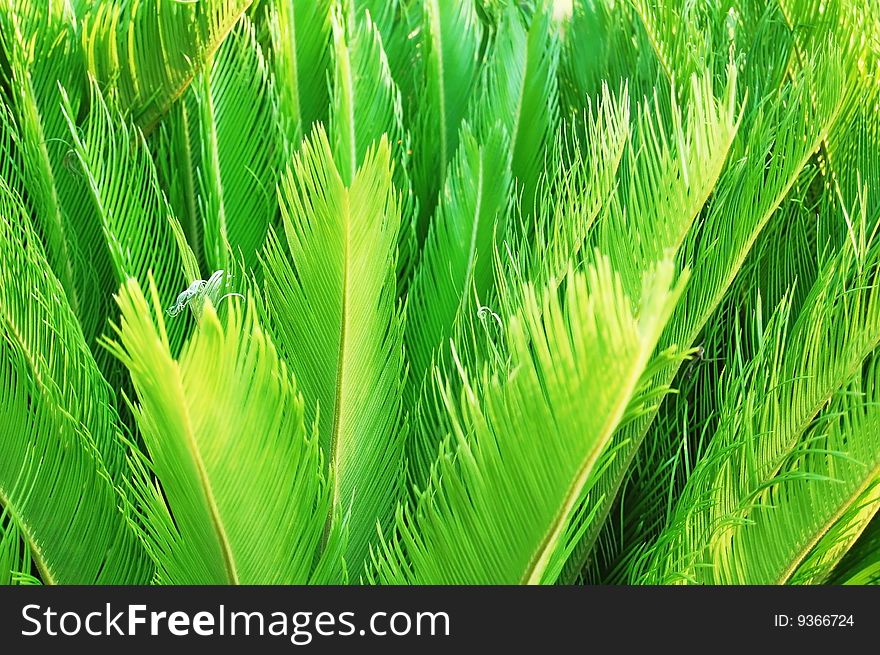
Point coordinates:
[[439, 291]]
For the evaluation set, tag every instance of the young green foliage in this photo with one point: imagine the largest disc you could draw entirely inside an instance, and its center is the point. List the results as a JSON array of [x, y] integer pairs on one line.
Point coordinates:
[[228, 453], [331, 298]]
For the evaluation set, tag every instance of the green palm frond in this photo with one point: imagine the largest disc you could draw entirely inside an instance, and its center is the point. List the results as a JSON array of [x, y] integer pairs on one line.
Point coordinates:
[[332, 298], [601, 48], [366, 105], [522, 92], [749, 191], [499, 499], [240, 156], [301, 46], [227, 453], [39, 42], [769, 425], [120, 39], [577, 188], [451, 36], [125, 199], [61, 434], [399, 298], [861, 565], [457, 263], [667, 177], [15, 557]]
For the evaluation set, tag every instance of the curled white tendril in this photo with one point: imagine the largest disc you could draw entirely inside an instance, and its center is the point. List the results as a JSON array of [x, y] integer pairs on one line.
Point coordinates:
[[195, 294], [484, 312]]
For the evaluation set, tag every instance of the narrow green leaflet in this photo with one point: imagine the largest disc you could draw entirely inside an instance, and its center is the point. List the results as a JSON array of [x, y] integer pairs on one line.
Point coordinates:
[[366, 105], [39, 42], [749, 191]]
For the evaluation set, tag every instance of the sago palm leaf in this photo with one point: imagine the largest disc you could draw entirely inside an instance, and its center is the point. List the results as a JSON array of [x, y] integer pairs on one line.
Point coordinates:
[[39, 43], [746, 197], [499, 499], [301, 64], [451, 36], [332, 300], [240, 152], [522, 93], [120, 40], [62, 438], [457, 263], [15, 557], [229, 454], [366, 105], [775, 403], [125, 199], [577, 187], [861, 565]]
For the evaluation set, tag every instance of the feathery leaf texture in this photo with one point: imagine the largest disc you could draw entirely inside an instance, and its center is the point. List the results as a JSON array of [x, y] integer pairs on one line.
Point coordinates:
[[230, 449], [330, 294], [487, 493], [120, 39], [439, 291], [61, 433]]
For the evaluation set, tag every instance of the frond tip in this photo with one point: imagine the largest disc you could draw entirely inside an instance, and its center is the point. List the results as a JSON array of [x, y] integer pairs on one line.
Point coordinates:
[[521, 447], [231, 488]]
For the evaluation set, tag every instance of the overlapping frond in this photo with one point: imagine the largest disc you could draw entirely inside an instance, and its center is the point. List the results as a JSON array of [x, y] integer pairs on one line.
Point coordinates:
[[124, 197], [301, 46], [861, 565], [775, 443], [521, 90], [228, 454], [366, 105], [499, 499], [39, 43], [120, 39], [457, 264], [62, 438], [240, 150], [331, 296], [451, 36], [750, 190]]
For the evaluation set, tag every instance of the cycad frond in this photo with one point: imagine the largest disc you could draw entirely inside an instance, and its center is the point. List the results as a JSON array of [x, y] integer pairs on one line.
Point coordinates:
[[457, 263], [39, 40], [499, 499], [521, 91], [229, 454], [125, 199], [15, 556], [861, 565], [750, 190], [332, 298], [366, 105], [301, 64], [120, 39], [240, 152], [451, 34], [765, 430], [62, 439]]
